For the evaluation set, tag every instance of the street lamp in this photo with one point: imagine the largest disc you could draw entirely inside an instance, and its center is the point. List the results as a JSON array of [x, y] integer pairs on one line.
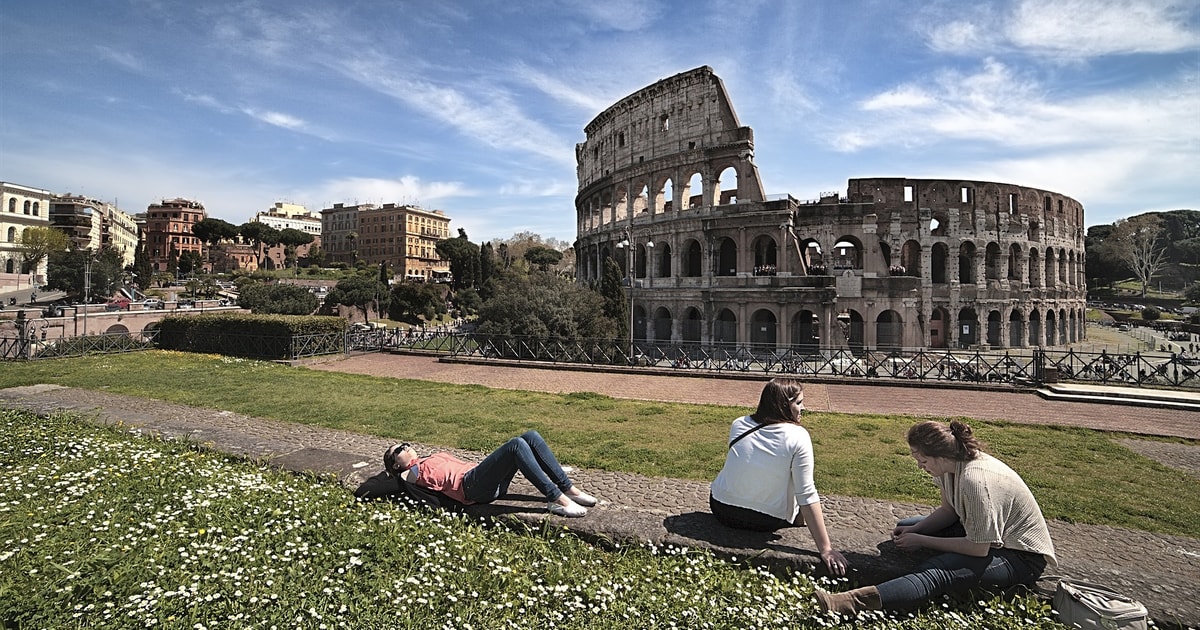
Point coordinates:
[[627, 244], [87, 285]]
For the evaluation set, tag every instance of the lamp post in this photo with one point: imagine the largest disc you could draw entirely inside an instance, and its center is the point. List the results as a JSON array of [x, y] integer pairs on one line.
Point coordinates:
[[630, 258], [87, 285]]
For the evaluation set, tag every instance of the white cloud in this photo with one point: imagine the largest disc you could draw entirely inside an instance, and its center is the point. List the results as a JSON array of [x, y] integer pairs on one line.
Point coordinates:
[[561, 91], [277, 119], [903, 97], [1089, 28], [405, 189], [1068, 29], [486, 115]]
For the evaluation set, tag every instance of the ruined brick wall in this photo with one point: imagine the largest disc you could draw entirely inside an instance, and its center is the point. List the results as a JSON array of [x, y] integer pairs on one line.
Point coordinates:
[[669, 190]]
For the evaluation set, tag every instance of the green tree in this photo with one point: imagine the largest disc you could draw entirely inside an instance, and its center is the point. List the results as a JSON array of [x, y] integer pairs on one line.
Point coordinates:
[[212, 231], [463, 256], [190, 262], [1150, 314], [616, 304], [1192, 293], [143, 271], [412, 301], [487, 264], [543, 257], [1104, 265], [36, 243], [173, 263], [362, 291], [291, 238], [84, 274], [279, 299], [545, 306], [259, 234]]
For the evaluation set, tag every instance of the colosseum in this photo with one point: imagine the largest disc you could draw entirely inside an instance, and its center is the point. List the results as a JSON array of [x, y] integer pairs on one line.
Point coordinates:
[[669, 190]]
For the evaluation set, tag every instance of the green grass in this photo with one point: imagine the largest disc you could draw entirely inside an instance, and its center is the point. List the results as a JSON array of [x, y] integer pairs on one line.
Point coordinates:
[[98, 529], [1078, 475]]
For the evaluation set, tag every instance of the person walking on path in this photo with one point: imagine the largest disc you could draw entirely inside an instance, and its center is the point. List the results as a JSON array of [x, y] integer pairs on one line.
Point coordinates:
[[989, 528], [767, 480], [468, 482]]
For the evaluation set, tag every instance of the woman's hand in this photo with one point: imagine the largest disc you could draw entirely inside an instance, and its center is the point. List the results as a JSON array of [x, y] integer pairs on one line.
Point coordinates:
[[906, 540], [835, 562]]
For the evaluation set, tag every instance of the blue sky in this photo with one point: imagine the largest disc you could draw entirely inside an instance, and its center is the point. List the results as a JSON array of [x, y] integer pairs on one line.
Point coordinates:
[[474, 107]]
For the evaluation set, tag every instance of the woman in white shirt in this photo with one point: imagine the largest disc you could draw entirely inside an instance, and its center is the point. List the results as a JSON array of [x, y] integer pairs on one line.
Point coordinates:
[[767, 480]]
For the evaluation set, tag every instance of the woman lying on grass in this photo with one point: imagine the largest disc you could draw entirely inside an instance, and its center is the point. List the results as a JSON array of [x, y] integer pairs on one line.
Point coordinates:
[[468, 482]]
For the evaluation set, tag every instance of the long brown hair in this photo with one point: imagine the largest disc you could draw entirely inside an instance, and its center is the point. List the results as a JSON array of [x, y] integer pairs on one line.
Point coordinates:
[[775, 402], [935, 439]]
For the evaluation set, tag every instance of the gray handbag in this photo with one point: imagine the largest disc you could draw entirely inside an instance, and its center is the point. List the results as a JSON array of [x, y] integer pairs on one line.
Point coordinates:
[[1092, 607]]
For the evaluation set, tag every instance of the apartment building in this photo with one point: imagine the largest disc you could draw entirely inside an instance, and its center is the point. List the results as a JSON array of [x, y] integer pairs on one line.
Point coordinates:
[[169, 228], [92, 224], [403, 236], [21, 207]]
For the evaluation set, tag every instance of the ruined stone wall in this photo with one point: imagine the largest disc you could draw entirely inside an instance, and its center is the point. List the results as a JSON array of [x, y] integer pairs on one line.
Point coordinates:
[[669, 190]]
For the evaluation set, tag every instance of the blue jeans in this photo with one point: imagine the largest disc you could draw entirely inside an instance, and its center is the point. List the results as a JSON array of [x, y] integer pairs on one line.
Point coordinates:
[[529, 454], [956, 573]]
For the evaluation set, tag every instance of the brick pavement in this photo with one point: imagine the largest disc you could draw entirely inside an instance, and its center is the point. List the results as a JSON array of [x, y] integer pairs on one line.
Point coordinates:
[[742, 390], [1162, 571]]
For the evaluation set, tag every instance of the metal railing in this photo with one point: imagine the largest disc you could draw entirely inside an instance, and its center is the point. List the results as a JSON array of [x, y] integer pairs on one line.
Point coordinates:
[[1020, 366]]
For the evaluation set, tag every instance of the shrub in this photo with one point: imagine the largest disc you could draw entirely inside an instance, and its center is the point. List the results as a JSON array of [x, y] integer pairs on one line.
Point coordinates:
[[1150, 314], [254, 336]]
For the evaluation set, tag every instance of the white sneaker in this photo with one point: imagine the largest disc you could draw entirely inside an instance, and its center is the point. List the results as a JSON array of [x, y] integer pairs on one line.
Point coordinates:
[[584, 499], [570, 511]]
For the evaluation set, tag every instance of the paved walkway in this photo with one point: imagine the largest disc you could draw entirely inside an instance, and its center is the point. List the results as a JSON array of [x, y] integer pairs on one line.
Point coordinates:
[[1161, 571]]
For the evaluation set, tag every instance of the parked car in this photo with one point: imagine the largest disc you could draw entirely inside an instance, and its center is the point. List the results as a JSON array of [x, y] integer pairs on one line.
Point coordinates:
[[152, 304]]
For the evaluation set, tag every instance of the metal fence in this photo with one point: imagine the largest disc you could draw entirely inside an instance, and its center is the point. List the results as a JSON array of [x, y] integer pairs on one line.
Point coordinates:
[[1023, 366]]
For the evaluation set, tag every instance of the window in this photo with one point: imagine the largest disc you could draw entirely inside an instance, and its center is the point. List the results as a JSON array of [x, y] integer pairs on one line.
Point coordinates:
[[664, 123], [908, 193]]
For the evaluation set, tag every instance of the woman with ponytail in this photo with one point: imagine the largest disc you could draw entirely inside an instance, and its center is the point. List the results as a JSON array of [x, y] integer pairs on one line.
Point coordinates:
[[989, 530]]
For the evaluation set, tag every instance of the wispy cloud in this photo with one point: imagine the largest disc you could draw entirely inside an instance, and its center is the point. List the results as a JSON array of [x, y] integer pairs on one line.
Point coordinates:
[[278, 119], [999, 105], [1070, 29], [404, 189], [481, 112]]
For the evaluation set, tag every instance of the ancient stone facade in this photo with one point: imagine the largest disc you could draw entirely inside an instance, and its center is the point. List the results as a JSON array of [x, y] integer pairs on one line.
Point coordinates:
[[668, 188]]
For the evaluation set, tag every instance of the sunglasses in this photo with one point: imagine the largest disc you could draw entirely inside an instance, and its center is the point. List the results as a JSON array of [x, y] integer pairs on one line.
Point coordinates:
[[396, 451]]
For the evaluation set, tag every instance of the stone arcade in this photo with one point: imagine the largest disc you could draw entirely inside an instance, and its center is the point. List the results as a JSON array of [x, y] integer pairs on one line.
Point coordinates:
[[668, 184]]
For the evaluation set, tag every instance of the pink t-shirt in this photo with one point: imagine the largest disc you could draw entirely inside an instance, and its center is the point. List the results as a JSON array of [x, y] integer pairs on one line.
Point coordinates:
[[443, 472]]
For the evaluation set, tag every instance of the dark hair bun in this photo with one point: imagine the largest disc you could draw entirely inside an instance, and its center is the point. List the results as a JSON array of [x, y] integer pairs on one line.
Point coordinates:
[[960, 430]]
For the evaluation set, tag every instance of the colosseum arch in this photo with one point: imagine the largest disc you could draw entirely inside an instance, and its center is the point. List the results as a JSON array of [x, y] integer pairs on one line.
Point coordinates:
[[763, 329], [692, 326], [641, 260], [693, 266], [939, 328], [939, 257], [910, 258], [662, 269], [639, 323], [725, 328], [766, 255], [641, 203], [724, 194], [928, 226], [693, 196], [1035, 328], [966, 263], [664, 198], [993, 329], [727, 257], [662, 325], [806, 331], [1051, 328], [889, 331], [968, 327], [847, 253], [992, 261]]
